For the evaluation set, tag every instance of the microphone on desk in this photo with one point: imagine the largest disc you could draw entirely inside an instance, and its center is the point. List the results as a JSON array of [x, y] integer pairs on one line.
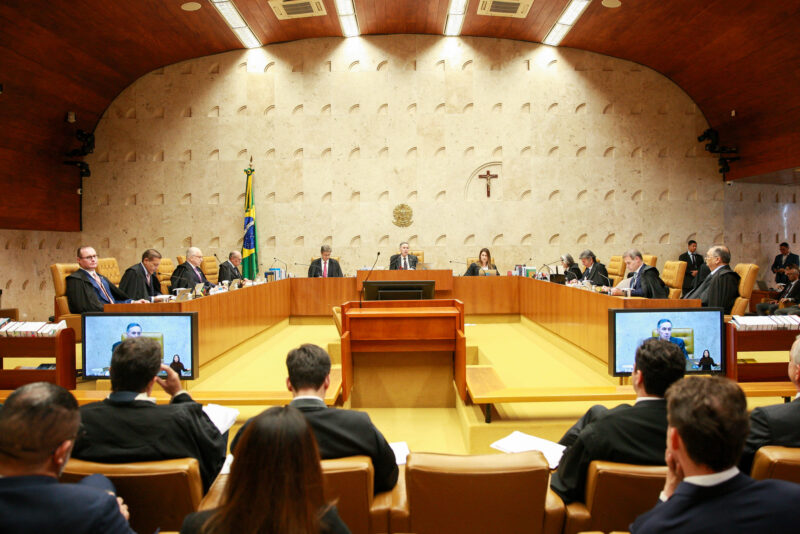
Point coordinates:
[[456, 261], [361, 293], [285, 265]]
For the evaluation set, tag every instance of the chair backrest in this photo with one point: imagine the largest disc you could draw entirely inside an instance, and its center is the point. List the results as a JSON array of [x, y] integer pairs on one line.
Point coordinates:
[[672, 275], [109, 268], [349, 483], [615, 268], [740, 306], [476, 494], [60, 271], [617, 493], [210, 267], [165, 269], [158, 494], [748, 272], [649, 259], [777, 462], [181, 259], [420, 254]]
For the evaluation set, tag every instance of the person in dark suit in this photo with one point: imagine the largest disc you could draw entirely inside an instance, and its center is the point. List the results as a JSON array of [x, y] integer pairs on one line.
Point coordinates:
[[229, 269], [630, 434], [693, 263], [484, 263], [721, 287], [188, 274], [704, 491], [788, 295], [38, 425], [325, 266], [571, 269], [88, 290], [664, 329], [404, 260], [339, 433], [782, 261], [129, 426], [778, 424], [275, 484], [594, 272], [645, 279], [140, 281]]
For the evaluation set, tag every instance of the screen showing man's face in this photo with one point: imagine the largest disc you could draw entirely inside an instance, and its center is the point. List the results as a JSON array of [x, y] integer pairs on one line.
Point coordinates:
[[665, 331]]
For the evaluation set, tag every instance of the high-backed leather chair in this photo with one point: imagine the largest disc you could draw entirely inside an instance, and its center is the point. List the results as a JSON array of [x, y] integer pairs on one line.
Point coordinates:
[[420, 254], [672, 275], [777, 462], [649, 259], [615, 495], [60, 271], [109, 268], [616, 269], [477, 494], [686, 334], [164, 272], [181, 259], [158, 494], [748, 272], [210, 267]]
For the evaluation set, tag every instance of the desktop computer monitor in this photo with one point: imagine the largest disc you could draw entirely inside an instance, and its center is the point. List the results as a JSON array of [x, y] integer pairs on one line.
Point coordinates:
[[398, 289]]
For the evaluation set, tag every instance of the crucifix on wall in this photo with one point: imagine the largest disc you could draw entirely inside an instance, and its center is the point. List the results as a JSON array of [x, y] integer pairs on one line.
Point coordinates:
[[488, 177]]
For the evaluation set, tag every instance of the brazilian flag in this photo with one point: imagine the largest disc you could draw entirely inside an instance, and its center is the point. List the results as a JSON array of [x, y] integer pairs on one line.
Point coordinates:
[[250, 242]]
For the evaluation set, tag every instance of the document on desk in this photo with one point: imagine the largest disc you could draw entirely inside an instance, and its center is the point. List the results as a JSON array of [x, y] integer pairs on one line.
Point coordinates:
[[521, 442], [223, 417], [401, 451]]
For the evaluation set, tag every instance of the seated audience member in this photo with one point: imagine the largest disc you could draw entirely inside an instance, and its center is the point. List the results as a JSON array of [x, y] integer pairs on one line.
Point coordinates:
[[140, 281], [129, 426], [778, 424], [188, 274], [704, 491], [325, 266], [782, 261], [88, 290], [38, 426], [693, 263], [229, 269], [571, 269], [275, 484], [484, 263], [789, 294], [404, 260], [594, 272], [721, 287], [630, 434], [645, 280], [339, 432], [664, 329]]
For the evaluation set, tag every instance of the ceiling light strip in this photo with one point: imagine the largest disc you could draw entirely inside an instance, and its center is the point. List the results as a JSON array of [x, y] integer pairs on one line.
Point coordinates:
[[566, 21], [347, 18], [455, 17], [230, 14]]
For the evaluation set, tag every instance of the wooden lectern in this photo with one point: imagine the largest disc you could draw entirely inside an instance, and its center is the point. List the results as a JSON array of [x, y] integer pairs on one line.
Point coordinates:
[[377, 333]]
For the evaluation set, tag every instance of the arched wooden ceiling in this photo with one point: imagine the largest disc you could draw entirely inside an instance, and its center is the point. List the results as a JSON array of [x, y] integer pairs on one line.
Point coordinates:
[[58, 56]]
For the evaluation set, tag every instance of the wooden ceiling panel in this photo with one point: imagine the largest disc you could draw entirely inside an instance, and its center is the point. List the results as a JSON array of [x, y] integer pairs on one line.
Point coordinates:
[[410, 16], [269, 29], [541, 17]]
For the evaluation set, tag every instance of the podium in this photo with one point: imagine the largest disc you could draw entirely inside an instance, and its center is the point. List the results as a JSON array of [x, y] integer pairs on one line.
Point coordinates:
[[403, 353]]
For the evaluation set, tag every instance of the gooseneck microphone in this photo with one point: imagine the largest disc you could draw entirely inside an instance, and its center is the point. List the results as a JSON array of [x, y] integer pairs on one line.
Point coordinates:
[[456, 261], [361, 293], [285, 265]]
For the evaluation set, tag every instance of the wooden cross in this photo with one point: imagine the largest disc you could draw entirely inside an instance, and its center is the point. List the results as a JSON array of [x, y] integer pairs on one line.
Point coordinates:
[[488, 177]]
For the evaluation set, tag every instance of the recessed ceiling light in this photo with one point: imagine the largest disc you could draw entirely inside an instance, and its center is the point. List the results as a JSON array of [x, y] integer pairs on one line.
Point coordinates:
[[564, 24], [611, 3], [190, 6]]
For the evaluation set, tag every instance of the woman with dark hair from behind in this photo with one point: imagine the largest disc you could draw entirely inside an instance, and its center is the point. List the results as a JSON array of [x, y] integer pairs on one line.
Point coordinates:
[[275, 484], [484, 264]]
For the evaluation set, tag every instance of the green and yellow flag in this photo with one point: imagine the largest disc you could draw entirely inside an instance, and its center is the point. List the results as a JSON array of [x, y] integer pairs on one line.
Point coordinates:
[[250, 241]]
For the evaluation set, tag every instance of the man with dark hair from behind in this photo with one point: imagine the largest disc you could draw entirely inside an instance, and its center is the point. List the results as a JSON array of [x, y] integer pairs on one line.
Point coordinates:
[[339, 433], [38, 425], [630, 434], [129, 426], [704, 490]]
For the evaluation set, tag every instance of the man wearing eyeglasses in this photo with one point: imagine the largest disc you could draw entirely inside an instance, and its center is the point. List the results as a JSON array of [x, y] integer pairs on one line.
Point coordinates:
[[88, 290], [189, 273]]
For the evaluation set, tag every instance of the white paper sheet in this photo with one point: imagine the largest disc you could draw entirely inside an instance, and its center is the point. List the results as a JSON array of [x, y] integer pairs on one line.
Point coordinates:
[[520, 442], [401, 451], [223, 417]]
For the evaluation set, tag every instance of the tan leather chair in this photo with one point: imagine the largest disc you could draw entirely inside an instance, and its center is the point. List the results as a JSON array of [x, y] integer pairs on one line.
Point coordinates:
[[748, 272], [109, 268], [672, 275], [615, 495], [686, 334], [419, 254], [616, 269], [210, 268], [777, 462], [477, 494], [158, 494], [165, 269], [60, 271], [181, 259], [649, 259]]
